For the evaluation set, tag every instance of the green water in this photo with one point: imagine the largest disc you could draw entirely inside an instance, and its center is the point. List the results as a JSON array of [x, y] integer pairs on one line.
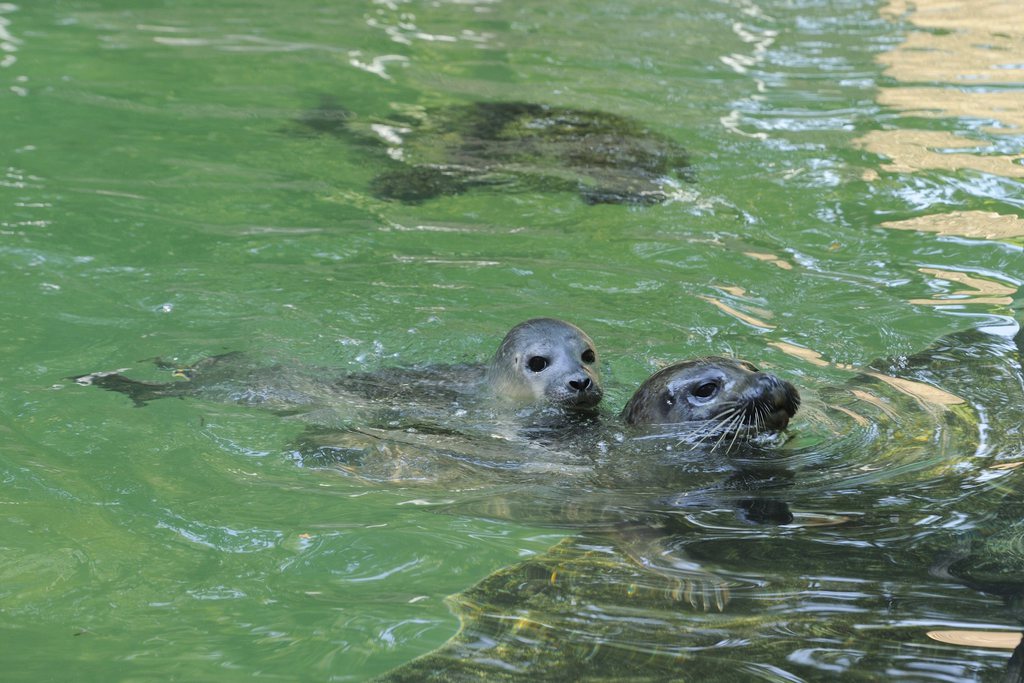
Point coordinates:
[[158, 198]]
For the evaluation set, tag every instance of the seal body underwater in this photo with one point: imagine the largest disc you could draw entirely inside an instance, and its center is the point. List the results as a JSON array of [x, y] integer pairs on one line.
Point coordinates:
[[716, 396]]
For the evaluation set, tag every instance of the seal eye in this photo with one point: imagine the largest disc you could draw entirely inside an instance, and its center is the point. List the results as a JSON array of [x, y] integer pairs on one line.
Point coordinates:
[[537, 363], [706, 390], [669, 398], [588, 356]]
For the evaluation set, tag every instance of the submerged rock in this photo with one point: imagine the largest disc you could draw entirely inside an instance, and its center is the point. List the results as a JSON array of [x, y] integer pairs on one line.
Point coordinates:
[[518, 146]]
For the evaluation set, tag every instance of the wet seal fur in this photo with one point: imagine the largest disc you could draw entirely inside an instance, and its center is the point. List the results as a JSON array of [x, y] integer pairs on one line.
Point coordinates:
[[715, 396]]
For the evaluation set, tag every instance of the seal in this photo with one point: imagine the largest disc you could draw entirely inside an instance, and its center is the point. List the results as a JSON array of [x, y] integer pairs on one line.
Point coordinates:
[[546, 360], [543, 360], [719, 396]]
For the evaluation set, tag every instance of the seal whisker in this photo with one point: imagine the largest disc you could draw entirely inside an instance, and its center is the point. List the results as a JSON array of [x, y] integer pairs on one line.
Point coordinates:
[[735, 435], [757, 416], [736, 417], [738, 422], [715, 427]]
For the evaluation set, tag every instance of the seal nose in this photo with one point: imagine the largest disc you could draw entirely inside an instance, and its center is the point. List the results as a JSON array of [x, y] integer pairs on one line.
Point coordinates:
[[767, 396], [580, 385]]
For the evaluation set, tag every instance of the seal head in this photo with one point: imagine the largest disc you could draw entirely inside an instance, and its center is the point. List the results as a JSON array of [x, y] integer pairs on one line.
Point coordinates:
[[546, 360], [722, 394]]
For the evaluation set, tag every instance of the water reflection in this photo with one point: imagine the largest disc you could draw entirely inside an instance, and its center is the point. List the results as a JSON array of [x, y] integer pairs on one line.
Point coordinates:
[[979, 290], [986, 225], [8, 43], [960, 64], [915, 150]]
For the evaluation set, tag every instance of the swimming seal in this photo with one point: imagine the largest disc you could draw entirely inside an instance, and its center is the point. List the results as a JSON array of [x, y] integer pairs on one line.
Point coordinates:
[[718, 395], [543, 360]]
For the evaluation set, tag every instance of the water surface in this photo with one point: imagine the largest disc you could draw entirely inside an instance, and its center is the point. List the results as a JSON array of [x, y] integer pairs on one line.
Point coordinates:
[[857, 201]]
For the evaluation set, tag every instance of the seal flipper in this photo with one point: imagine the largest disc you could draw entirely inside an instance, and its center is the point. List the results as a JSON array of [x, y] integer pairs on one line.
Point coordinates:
[[138, 392]]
